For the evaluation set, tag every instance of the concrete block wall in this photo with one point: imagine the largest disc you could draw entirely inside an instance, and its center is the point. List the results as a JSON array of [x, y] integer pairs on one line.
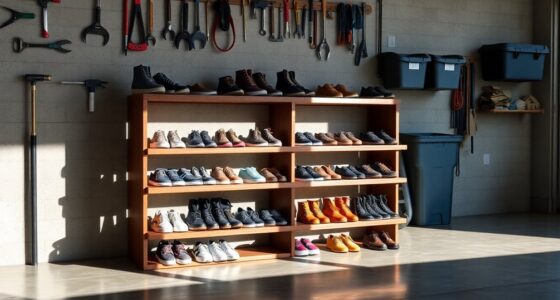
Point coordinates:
[[82, 156]]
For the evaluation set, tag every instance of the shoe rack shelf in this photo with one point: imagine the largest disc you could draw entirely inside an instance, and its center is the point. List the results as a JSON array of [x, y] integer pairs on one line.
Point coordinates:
[[381, 114]]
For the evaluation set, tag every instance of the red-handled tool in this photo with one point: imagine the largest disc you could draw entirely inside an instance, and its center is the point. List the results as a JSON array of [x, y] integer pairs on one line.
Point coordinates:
[[142, 45], [286, 18], [45, 16]]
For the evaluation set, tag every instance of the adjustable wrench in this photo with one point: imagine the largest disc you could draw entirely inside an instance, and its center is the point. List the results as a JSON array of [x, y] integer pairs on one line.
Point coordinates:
[[297, 11], [197, 35], [262, 30], [168, 29], [271, 36]]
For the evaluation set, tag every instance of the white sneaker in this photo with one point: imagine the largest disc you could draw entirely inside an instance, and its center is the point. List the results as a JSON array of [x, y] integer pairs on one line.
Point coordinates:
[[160, 222], [218, 254], [159, 140], [201, 253], [178, 223], [228, 250], [175, 140]]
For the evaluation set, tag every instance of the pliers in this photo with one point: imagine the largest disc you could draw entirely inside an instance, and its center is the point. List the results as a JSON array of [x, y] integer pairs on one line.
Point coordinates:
[[16, 15]]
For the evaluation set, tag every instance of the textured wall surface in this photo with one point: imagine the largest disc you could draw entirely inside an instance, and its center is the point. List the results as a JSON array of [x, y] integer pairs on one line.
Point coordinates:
[[82, 156]]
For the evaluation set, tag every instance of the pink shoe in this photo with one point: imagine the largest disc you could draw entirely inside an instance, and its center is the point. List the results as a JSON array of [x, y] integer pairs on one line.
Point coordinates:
[[311, 248], [301, 250]]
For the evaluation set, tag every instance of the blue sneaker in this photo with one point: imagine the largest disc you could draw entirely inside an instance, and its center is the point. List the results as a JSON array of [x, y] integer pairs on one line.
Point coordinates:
[[207, 140], [251, 175], [359, 174], [302, 140], [316, 176], [159, 178], [345, 173], [189, 178], [302, 174], [176, 180], [244, 217], [194, 140], [203, 173]]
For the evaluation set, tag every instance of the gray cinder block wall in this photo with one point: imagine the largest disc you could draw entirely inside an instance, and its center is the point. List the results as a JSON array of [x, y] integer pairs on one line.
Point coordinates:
[[82, 156]]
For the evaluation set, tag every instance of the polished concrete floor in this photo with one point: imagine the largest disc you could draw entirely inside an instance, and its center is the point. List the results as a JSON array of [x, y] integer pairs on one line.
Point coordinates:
[[487, 257]]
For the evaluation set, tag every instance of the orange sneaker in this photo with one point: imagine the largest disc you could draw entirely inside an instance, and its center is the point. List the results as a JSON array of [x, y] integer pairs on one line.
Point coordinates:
[[316, 209], [304, 214], [342, 205], [330, 210], [335, 244], [349, 242]]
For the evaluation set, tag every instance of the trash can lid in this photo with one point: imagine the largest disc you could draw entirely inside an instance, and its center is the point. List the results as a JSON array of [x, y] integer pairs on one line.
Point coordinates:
[[417, 138], [519, 48], [449, 59], [413, 58]]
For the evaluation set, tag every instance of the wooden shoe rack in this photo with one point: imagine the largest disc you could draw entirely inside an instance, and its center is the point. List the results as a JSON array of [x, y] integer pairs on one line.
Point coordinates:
[[282, 119]]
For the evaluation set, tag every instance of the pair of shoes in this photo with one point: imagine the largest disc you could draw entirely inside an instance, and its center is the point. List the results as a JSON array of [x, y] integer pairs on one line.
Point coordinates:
[[219, 251], [199, 139], [250, 175], [379, 241], [171, 141], [273, 175], [167, 222], [172, 177], [361, 172], [211, 214], [337, 211], [249, 218], [287, 83], [143, 82], [227, 139], [337, 91], [342, 138], [225, 175], [318, 173], [371, 207], [304, 247], [381, 138], [246, 83], [307, 139], [257, 139], [169, 254], [342, 244], [376, 92]]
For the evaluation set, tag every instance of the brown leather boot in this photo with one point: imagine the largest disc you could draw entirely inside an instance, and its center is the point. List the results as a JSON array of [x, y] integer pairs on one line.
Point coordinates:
[[304, 214], [244, 80], [316, 209], [330, 210], [327, 90], [342, 205], [345, 92]]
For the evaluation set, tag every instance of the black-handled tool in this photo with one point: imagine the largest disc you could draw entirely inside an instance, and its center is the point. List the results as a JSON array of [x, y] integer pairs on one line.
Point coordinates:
[[184, 34], [91, 86], [32, 179], [362, 49], [198, 35], [45, 16], [18, 45], [168, 29], [96, 27], [15, 15]]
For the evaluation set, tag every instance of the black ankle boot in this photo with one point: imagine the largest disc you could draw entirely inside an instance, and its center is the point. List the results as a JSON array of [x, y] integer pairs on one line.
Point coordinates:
[[358, 209], [372, 202], [288, 88], [292, 76], [143, 82]]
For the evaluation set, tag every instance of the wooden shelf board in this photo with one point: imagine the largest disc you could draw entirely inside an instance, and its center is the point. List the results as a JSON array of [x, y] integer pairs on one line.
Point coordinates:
[[246, 254], [256, 150], [345, 101], [217, 188], [503, 111], [328, 183], [215, 233], [313, 227]]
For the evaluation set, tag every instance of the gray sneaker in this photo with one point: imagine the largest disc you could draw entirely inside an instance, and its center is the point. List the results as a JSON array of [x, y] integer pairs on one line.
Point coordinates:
[[175, 140], [272, 141], [254, 139], [180, 253], [384, 170]]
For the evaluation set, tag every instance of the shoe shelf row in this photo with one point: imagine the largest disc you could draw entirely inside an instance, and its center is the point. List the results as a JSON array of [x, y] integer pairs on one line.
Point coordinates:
[[283, 116]]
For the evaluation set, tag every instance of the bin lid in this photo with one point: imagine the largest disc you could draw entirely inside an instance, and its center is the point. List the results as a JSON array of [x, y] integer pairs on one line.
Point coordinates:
[[519, 48], [413, 58], [449, 59], [417, 138]]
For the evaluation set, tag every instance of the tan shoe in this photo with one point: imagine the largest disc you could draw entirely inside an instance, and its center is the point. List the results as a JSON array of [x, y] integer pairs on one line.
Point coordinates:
[[328, 90], [221, 139], [220, 176], [268, 175], [304, 214], [279, 176], [349, 242], [345, 92], [335, 244], [322, 172], [233, 178], [327, 141], [232, 136], [342, 139], [316, 210], [330, 171], [354, 139], [342, 205]]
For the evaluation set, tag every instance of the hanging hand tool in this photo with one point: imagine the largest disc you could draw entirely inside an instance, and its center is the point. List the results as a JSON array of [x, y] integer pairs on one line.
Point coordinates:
[[198, 35], [310, 25], [362, 49], [125, 26], [379, 26], [206, 19], [313, 33], [149, 37], [242, 5], [279, 36], [262, 5], [303, 20], [348, 28], [355, 10], [224, 21], [286, 18], [96, 27], [45, 16], [18, 45], [32, 183], [184, 33], [297, 18], [340, 24], [323, 46], [91, 86], [168, 29], [15, 15], [142, 45], [271, 36]]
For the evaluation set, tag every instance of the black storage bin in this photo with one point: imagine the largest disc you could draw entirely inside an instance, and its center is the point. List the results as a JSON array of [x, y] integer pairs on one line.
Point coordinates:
[[513, 62], [444, 72], [403, 71]]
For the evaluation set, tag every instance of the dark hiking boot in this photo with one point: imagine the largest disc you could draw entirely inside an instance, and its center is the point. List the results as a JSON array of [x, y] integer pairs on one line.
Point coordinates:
[[227, 86], [260, 80], [170, 85], [244, 80], [292, 76], [285, 84], [143, 82]]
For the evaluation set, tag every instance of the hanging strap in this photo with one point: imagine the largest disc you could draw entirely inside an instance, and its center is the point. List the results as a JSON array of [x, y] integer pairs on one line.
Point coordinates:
[[223, 20]]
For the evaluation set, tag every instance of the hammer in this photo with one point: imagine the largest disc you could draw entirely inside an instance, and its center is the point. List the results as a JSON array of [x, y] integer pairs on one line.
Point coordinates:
[[91, 85], [32, 184]]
